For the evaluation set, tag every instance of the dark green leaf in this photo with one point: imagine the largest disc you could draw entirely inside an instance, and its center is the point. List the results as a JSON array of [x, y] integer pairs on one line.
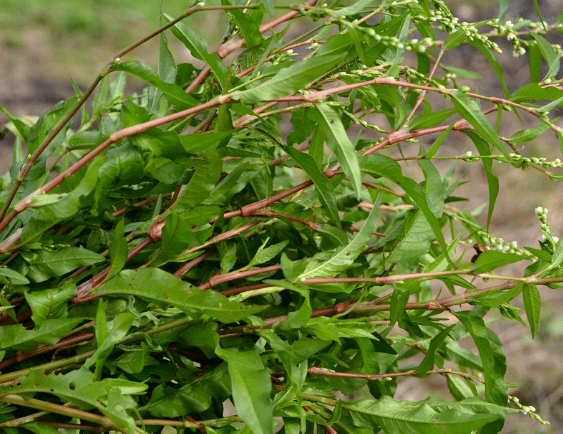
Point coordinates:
[[470, 111], [428, 362], [46, 264], [117, 250], [528, 134], [50, 331], [532, 303], [491, 259], [341, 145], [492, 180], [344, 257], [454, 40], [50, 303], [201, 184], [425, 417], [251, 388], [198, 48], [174, 93], [9, 276], [323, 186], [195, 397], [492, 356], [46, 123], [429, 120], [289, 79], [159, 286]]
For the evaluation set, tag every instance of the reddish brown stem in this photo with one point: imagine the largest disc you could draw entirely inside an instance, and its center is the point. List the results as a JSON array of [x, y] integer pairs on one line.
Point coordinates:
[[373, 377], [189, 265], [139, 204], [63, 343], [222, 278], [115, 137], [374, 306], [73, 426], [326, 428], [231, 45], [241, 289], [87, 287]]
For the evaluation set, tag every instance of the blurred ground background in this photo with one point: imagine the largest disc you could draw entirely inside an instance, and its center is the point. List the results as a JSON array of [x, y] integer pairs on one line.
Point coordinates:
[[44, 44]]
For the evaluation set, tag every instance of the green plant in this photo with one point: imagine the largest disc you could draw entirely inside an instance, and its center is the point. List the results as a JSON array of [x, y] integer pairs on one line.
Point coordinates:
[[179, 249]]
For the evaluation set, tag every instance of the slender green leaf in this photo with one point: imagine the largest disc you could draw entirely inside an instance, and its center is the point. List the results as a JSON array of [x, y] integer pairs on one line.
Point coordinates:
[[248, 27], [492, 180], [425, 417], [354, 9], [492, 259], [50, 303], [436, 145], [289, 79], [340, 144], [379, 165], [532, 304], [9, 276], [81, 388], [200, 142], [470, 111], [46, 264], [344, 257], [528, 134], [195, 397], [201, 184], [415, 243], [454, 40], [16, 337], [492, 356], [46, 123], [198, 48], [174, 93], [117, 250], [428, 362], [324, 188], [251, 388], [159, 286], [431, 119]]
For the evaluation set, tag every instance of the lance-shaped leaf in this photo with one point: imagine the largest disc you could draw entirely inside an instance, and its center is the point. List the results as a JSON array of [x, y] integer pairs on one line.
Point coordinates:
[[9, 276], [195, 397], [344, 257], [340, 144], [46, 123], [325, 192], [379, 165], [174, 93], [492, 356], [470, 111], [492, 180], [430, 416], [50, 303], [289, 79], [251, 386], [199, 142], [49, 332], [430, 119], [201, 184], [529, 134], [198, 48], [81, 388], [46, 264], [532, 303], [159, 286], [428, 361]]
